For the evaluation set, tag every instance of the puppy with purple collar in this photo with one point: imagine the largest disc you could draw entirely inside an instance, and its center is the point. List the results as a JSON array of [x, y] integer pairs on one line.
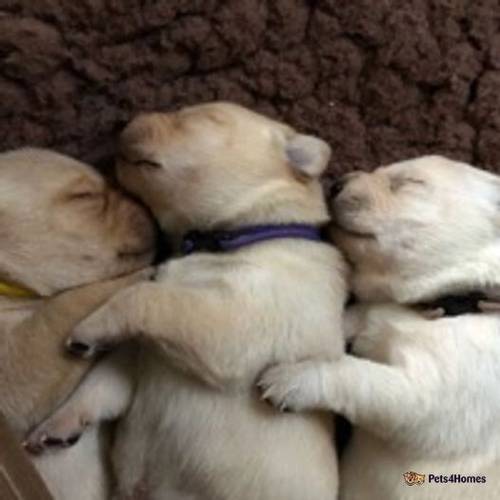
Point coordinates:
[[422, 385], [255, 287]]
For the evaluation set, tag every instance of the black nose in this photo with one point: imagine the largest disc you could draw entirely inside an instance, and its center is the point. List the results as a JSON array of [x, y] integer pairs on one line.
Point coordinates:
[[337, 187]]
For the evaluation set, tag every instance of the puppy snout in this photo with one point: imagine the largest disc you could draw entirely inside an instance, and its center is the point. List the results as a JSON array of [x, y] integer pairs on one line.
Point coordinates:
[[145, 231], [339, 185], [140, 229]]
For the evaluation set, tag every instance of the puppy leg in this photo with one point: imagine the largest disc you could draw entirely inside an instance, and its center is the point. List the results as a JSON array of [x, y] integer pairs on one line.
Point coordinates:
[[44, 380], [194, 328], [365, 392], [104, 394]]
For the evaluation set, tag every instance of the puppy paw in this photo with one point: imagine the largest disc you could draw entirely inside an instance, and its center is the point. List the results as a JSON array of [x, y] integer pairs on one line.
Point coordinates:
[[85, 349], [111, 323], [56, 433], [96, 333], [293, 386]]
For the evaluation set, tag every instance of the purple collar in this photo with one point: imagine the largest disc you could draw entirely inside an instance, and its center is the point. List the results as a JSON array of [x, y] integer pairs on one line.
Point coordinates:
[[224, 241]]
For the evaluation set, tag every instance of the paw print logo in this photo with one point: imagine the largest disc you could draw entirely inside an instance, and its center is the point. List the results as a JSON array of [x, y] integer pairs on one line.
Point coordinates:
[[411, 478]]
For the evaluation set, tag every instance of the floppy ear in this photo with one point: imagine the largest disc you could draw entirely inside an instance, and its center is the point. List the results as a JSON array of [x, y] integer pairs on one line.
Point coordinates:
[[308, 155]]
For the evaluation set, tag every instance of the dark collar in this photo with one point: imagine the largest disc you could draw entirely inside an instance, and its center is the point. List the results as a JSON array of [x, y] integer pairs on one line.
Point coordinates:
[[224, 241], [455, 305]]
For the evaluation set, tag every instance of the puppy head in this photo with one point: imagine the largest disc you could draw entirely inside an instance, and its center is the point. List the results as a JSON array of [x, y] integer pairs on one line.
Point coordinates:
[[419, 227], [62, 226], [220, 164]]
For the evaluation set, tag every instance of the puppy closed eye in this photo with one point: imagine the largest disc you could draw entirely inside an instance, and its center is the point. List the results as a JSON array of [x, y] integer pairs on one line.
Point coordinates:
[[147, 164], [89, 200], [86, 196], [397, 183], [141, 162], [84, 189]]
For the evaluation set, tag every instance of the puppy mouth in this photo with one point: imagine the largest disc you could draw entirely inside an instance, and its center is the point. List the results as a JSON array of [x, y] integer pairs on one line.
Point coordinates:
[[136, 254], [354, 233]]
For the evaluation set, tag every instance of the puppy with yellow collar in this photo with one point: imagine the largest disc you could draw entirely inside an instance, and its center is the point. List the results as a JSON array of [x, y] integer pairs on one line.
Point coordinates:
[[422, 387], [64, 231]]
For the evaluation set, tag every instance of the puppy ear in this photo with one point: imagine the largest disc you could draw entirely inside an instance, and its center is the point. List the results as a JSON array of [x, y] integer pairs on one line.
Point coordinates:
[[308, 155]]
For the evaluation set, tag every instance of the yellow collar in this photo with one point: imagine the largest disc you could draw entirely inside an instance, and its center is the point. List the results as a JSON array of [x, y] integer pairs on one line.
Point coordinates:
[[16, 291]]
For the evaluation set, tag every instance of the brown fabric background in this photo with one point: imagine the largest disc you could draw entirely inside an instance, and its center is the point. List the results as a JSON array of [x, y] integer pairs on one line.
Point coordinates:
[[381, 80]]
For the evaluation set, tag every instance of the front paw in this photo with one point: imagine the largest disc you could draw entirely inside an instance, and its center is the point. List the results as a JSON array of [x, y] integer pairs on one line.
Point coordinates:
[[56, 433], [86, 350], [97, 333], [293, 386], [87, 339]]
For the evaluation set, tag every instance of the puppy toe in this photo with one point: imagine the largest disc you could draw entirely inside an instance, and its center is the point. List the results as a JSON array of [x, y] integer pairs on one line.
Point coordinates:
[[289, 387], [85, 350], [72, 440], [46, 443], [35, 444], [60, 431], [79, 349], [268, 401], [54, 442], [272, 396], [284, 408]]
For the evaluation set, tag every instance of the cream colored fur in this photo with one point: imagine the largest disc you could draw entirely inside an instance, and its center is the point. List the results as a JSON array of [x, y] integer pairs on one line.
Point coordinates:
[[423, 394], [222, 317], [62, 227]]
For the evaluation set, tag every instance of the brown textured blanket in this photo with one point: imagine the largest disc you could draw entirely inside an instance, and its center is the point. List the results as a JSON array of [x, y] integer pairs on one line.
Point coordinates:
[[382, 80]]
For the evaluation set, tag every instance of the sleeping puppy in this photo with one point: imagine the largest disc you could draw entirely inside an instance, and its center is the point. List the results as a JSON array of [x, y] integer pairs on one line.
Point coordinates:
[[62, 227], [423, 392], [254, 294]]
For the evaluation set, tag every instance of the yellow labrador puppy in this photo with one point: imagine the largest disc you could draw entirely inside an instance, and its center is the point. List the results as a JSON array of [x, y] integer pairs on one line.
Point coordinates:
[[424, 391], [62, 227], [255, 286]]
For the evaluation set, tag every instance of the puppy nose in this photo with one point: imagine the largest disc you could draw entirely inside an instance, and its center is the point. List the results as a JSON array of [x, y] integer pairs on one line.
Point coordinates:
[[337, 187]]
